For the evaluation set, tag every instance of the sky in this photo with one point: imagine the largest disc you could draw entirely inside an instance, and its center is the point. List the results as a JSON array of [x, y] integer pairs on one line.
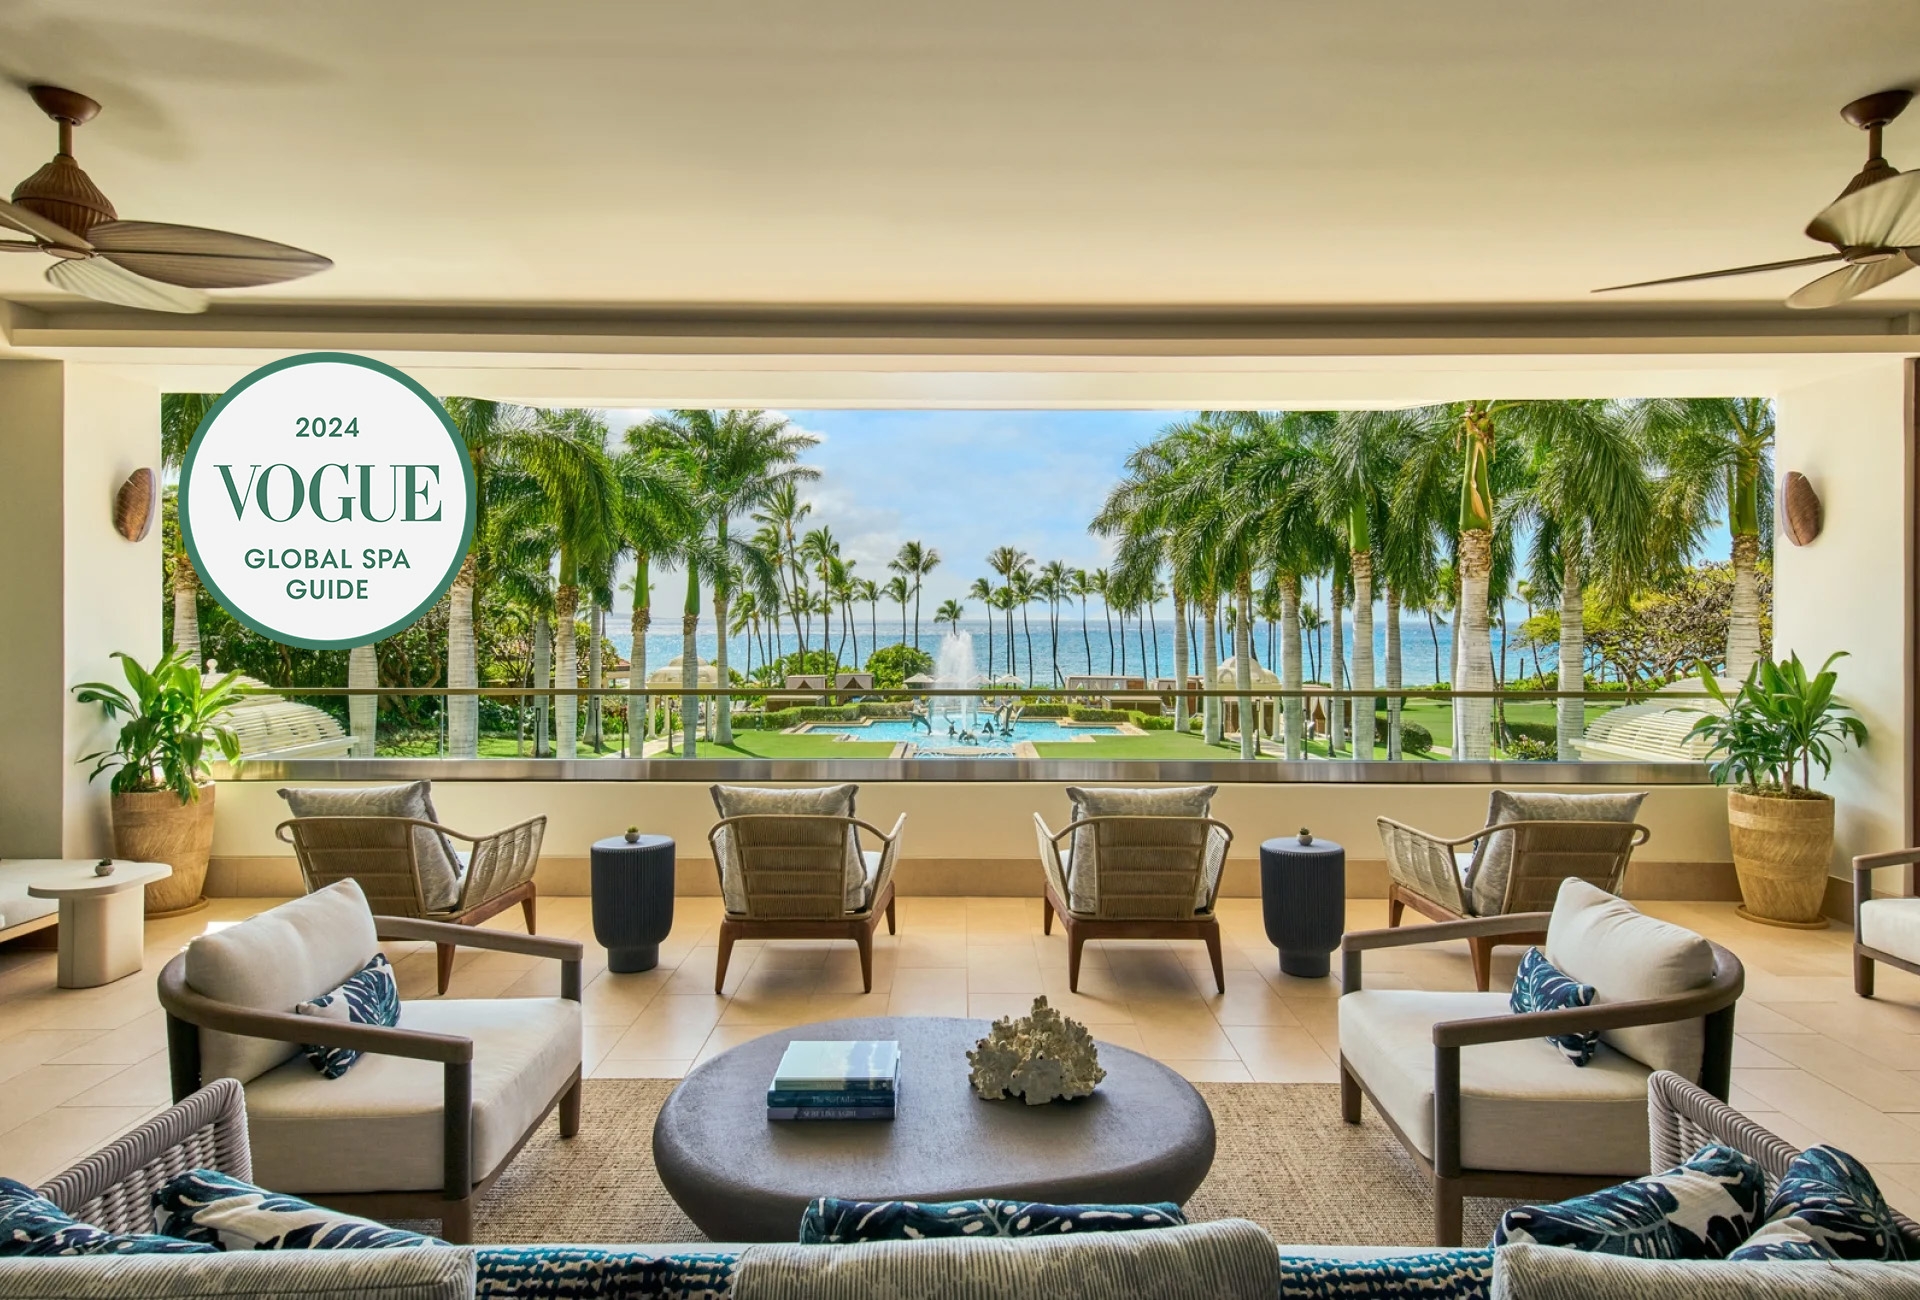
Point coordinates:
[[962, 482]]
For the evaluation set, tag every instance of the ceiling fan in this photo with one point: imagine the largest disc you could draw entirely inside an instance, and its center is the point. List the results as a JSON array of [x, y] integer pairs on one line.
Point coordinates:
[[148, 264], [1874, 226]]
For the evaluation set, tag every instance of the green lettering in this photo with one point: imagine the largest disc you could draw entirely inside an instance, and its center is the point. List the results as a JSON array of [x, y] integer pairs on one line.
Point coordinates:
[[366, 498], [239, 499], [346, 502], [415, 490], [299, 492]]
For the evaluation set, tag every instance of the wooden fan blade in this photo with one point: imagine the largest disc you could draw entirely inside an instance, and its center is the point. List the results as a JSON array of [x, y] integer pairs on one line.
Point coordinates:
[[1885, 214], [1849, 282], [200, 258], [1720, 275], [101, 280], [32, 223]]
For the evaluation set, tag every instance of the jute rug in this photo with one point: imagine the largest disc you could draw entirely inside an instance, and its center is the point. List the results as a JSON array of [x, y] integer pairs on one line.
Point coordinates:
[[1283, 1159]]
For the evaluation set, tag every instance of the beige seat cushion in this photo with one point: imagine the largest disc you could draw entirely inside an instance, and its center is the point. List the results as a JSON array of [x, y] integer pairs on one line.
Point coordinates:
[[1605, 941], [1893, 926], [434, 855], [378, 1126], [1493, 861], [272, 962], [1523, 1106], [1083, 882], [809, 801]]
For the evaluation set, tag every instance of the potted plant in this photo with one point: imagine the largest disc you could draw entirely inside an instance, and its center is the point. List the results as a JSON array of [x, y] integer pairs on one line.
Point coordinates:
[[1780, 724], [162, 799]]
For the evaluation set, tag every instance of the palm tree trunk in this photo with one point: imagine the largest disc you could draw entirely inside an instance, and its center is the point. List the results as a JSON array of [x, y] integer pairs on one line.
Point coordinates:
[[1026, 625], [1122, 670], [1053, 640], [463, 711], [1181, 709], [1295, 711], [916, 612], [566, 675], [1743, 617], [596, 632], [186, 609], [1474, 643], [542, 679], [1140, 630], [1153, 621], [1363, 728], [722, 676], [1212, 728], [1394, 681], [1572, 714], [1086, 638], [853, 622], [637, 659], [1243, 668], [1336, 665], [363, 711], [1106, 608], [690, 664]]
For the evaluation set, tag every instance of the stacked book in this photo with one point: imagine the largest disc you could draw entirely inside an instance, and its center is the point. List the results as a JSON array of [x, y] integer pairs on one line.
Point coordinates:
[[850, 1079]]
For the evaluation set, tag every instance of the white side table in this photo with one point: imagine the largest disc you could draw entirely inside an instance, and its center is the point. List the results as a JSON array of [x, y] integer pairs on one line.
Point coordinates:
[[102, 918]]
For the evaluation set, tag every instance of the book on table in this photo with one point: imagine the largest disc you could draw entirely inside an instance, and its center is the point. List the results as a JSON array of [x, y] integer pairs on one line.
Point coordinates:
[[848, 1079]]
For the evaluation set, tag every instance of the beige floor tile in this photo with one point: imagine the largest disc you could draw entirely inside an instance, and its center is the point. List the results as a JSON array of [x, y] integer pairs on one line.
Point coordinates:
[[1206, 1071], [1276, 1054], [143, 1083], [674, 1026], [726, 1036], [1749, 1055], [1180, 1032], [1127, 1036], [1851, 1071], [768, 1012], [33, 1153], [1755, 1017], [32, 1047], [643, 1067], [134, 1041], [1836, 1115], [928, 1002], [918, 950], [40, 1089], [1249, 1000]]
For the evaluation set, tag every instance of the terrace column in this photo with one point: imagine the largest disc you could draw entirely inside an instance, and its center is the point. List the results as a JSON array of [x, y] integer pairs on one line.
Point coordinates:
[[1852, 589], [72, 590]]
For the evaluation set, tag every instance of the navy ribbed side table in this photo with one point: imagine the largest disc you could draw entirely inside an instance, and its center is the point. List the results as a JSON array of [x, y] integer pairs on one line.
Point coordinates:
[[1303, 897], [632, 900]]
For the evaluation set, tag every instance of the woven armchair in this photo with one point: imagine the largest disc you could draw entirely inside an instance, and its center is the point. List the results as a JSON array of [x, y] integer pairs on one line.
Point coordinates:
[[1157, 878], [380, 854], [1429, 873], [792, 876]]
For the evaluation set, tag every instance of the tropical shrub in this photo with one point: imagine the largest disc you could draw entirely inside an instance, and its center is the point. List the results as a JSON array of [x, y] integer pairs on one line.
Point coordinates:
[[1531, 750], [1087, 713], [1044, 710], [1415, 739], [170, 714], [1782, 720], [891, 665], [1150, 721]]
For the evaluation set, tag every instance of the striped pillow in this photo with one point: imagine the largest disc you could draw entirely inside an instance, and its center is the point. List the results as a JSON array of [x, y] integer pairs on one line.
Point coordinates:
[[1540, 987], [369, 997]]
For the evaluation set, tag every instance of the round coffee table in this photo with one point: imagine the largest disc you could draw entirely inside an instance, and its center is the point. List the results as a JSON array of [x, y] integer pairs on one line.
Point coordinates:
[[1144, 1135]]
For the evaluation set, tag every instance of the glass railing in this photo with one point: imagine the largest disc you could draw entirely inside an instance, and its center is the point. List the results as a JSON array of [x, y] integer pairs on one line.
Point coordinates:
[[1118, 722]]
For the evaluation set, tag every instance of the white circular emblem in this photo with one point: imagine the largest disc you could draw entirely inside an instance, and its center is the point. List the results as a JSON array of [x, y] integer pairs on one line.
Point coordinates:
[[327, 501]]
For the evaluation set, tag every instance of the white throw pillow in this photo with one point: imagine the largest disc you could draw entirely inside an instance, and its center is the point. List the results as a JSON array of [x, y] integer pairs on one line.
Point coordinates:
[[1598, 939], [273, 962]]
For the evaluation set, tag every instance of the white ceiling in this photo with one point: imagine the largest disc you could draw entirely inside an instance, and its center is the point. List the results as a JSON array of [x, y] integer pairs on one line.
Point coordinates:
[[1286, 153]]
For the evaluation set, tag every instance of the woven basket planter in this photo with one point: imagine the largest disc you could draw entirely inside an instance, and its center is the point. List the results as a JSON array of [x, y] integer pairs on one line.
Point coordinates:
[[156, 827], [1781, 851]]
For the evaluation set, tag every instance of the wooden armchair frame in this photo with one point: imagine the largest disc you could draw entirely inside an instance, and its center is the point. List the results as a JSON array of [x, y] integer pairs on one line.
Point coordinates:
[[1714, 1002], [1423, 873], [380, 854], [1863, 956], [189, 1011], [800, 892], [1153, 902]]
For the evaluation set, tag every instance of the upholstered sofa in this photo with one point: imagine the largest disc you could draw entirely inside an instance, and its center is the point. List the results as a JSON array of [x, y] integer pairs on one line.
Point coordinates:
[[1225, 1259]]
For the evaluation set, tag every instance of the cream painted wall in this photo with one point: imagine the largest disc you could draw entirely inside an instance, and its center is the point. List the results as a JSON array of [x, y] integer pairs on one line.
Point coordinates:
[[1847, 590], [984, 827], [112, 585], [32, 653]]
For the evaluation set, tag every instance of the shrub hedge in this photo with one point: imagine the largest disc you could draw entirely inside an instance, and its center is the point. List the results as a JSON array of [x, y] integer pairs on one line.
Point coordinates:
[[1087, 713]]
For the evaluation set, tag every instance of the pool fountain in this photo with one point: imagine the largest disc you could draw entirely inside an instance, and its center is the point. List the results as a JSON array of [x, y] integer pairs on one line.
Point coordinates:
[[953, 670]]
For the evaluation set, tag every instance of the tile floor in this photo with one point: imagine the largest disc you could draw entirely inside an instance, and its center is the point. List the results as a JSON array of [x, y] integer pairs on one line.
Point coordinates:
[[1813, 1062]]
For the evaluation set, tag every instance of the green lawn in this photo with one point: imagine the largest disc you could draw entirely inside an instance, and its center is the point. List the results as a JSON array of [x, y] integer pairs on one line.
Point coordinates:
[[1155, 744], [777, 744]]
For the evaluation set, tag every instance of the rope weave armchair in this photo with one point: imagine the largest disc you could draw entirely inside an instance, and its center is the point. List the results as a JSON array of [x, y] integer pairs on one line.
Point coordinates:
[[1157, 878], [381, 855], [793, 877], [1423, 872]]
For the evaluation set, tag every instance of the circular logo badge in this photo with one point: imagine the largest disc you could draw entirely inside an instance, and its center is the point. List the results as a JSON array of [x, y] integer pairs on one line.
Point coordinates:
[[327, 501]]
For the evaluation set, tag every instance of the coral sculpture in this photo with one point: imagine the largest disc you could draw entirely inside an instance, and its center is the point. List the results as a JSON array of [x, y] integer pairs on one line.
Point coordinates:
[[1041, 1057]]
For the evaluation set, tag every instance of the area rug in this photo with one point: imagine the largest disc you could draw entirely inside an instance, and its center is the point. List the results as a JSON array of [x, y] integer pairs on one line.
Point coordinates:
[[1283, 1159]]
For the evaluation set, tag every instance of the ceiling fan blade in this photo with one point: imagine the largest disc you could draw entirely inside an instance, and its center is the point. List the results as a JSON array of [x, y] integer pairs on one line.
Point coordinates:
[[32, 223], [101, 280], [200, 258], [1849, 282], [1721, 275], [1885, 214]]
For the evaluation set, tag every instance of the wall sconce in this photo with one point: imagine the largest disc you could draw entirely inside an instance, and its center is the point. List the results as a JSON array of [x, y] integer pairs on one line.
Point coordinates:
[[133, 505], [1800, 510]]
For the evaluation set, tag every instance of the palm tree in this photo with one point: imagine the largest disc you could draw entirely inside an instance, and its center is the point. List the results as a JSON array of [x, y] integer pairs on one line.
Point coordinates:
[[1715, 454], [1097, 582], [180, 417], [950, 613], [1006, 561], [363, 711], [1081, 585], [914, 562], [866, 589], [1055, 585], [1022, 592], [982, 591], [735, 462], [900, 592], [657, 516], [821, 549], [783, 512]]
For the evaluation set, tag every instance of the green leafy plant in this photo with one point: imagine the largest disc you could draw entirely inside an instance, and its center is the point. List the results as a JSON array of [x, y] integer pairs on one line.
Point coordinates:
[[1781, 722], [170, 714]]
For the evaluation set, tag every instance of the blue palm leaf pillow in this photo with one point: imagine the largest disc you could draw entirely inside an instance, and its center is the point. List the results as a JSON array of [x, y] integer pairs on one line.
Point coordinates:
[[828, 1219], [1702, 1209], [1540, 987], [371, 996], [31, 1225], [228, 1214], [1828, 1207]]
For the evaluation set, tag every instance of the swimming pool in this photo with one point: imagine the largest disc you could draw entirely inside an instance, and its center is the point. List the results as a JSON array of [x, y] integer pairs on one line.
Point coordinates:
[[898, 729]]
